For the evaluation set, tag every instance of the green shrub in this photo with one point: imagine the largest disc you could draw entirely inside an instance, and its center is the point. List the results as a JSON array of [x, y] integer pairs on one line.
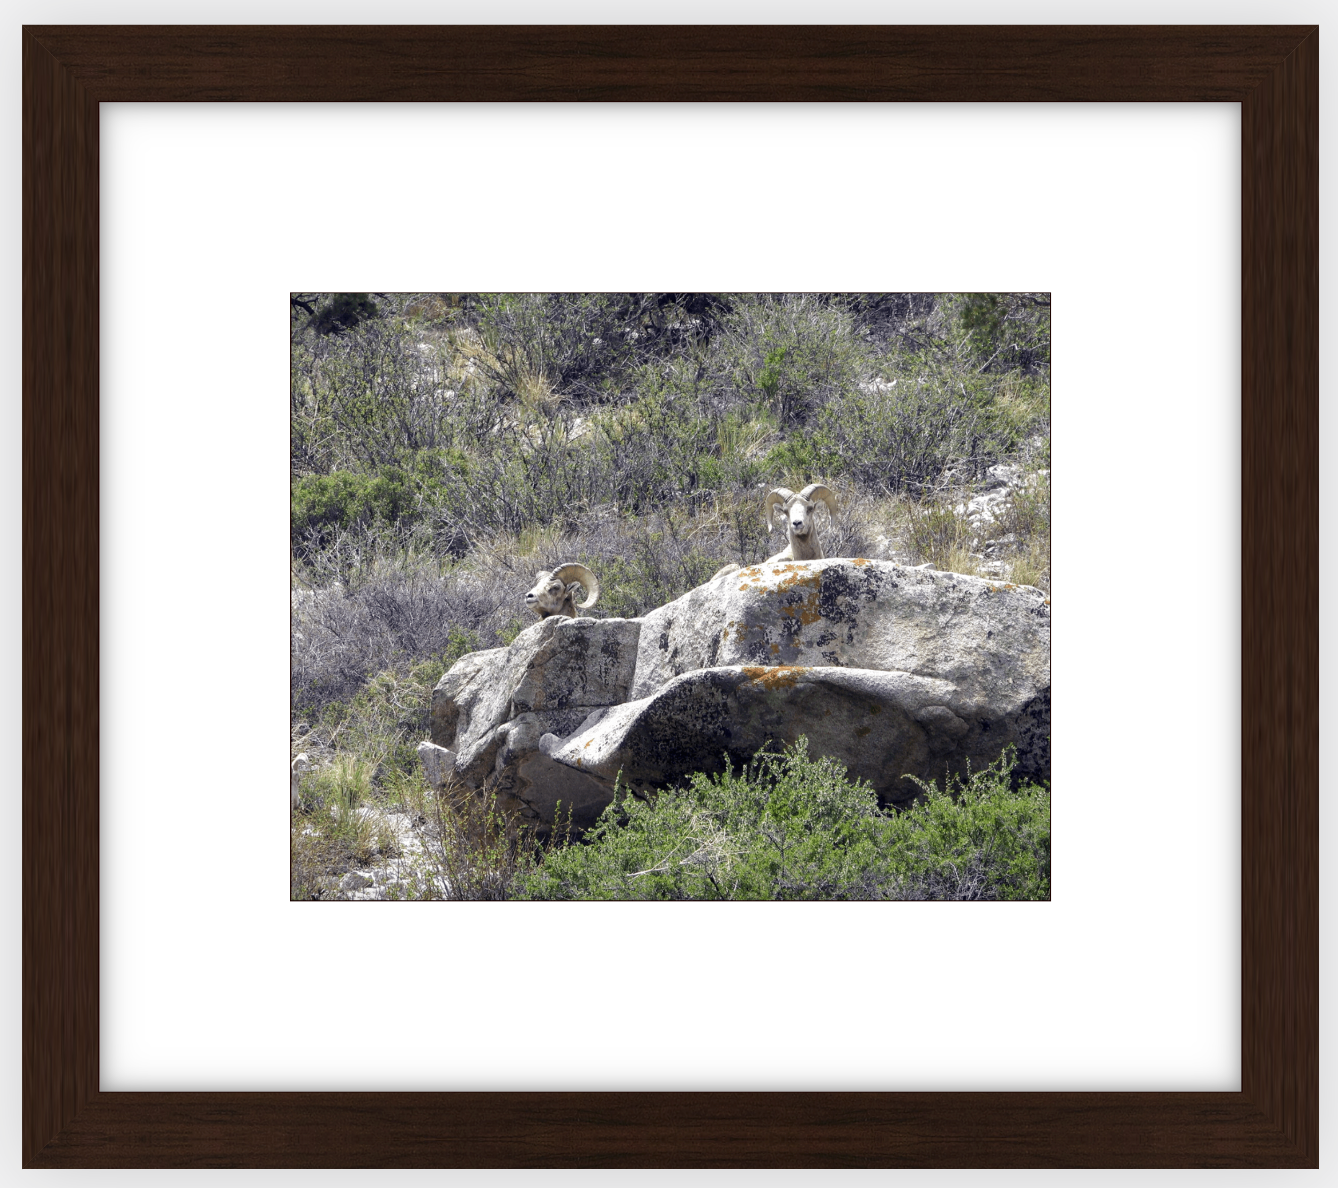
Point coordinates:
[[792, 352], [322, 502], [802, 458], [657, 568], [978, 839], [901, 437], [782, 827], [787, 826], [460, 642]]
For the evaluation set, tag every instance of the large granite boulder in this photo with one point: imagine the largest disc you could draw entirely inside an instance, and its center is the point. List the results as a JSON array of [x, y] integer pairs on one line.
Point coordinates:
[[881, 725], [892, 671], [983, 636]]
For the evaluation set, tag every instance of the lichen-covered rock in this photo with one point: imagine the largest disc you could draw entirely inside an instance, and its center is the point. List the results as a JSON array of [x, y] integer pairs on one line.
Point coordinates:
[[981, 635], [892, 671], [493, 706], [881, 725]]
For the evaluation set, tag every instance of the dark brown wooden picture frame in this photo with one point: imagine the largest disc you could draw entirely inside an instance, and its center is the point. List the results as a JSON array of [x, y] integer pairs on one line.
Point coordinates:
[[1272, 72]]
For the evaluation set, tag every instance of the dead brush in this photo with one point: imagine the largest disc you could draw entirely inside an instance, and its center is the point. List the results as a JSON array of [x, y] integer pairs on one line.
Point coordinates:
[[936, 533], [478, 840], [1025, 518]]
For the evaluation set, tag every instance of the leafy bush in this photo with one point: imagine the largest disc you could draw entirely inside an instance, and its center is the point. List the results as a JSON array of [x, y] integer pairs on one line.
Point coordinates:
[[787, 826], [976, 839], [343, 498], [1003, 331]]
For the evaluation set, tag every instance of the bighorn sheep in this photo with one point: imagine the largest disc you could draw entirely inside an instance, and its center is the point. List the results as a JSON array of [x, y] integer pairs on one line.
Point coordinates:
[[554, 591], [800, 527]]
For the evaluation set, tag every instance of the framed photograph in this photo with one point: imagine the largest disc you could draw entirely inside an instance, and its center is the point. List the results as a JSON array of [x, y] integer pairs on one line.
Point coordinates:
[[670, 596], [70, 1119]]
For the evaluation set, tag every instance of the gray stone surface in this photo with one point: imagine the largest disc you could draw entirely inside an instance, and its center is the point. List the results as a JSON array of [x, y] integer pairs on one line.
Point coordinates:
[[890, 670], [492, 707], [881, 725], [438, 763], [983, 636]]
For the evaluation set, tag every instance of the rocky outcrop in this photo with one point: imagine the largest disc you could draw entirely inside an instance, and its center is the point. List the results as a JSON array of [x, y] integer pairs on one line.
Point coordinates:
[[492, 708], [892, 671], [980, 635]]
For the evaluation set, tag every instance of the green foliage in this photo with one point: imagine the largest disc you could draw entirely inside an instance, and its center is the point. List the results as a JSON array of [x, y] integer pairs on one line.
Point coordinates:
[[978, 839], [460, 642], [535, 408], [344, 784], [1003, 331], [481, 848], [382, 724], [938, 533], [802, 457], [343, 498], [651, 574], [380, 393], [794, 352], [787, 826], [901, 434]]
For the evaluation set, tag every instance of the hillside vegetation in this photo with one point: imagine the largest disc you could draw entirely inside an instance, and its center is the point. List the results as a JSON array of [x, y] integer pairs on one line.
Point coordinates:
[[446, 446]]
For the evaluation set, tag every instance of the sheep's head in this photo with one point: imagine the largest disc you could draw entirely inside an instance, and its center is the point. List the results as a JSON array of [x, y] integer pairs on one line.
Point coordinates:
[[554, 591], [796, 511]]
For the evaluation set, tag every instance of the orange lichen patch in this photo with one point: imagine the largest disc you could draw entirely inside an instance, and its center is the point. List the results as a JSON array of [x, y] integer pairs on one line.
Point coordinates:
[[862, 731], [783, 676], [859, 561], [797, 577], [775, 647], [588, 741]]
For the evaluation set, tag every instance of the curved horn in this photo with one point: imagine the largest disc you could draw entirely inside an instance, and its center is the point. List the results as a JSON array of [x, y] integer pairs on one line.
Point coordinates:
[[578, 573], [781, 495], [818, 491]]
